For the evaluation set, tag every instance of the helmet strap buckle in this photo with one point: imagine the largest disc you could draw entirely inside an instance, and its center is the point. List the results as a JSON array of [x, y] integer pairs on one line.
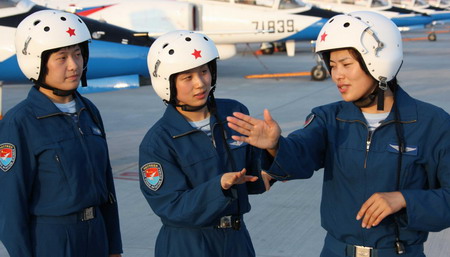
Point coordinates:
[[382, 84]]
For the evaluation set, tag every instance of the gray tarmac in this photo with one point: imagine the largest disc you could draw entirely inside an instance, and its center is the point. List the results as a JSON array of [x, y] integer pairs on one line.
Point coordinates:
[[284, 222]]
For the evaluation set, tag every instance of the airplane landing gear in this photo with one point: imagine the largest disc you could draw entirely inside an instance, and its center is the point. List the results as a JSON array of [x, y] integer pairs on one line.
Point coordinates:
[[267, 48], [270, 48], [319, 73], [432, 36]]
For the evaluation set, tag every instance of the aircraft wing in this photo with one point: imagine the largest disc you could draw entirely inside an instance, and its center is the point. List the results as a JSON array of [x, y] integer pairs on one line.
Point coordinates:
[[114, 51], [227, 22]]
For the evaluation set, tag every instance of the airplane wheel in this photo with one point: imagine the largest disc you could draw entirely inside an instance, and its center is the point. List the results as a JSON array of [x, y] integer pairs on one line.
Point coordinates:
[[281, 46], [267, 48], [318, 73], [432, 36], [267, 51]]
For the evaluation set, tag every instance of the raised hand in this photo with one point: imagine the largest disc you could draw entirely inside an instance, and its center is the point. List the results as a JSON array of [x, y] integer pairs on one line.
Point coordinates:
[[379, 206], [234, 178], [263, 134]]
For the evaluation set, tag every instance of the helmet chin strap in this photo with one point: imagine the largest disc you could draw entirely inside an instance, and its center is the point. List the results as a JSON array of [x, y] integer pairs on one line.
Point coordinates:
[[189, 108], [61, 92], [377, 93], [56, 91]]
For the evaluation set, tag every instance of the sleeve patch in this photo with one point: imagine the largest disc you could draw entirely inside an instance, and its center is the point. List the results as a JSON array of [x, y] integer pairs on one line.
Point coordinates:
[[309, 119], [7, 156], [153, 175]]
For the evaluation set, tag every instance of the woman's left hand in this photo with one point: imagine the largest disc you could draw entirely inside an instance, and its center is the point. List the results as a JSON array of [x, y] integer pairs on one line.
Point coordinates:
[[379, 206], [234, 178]]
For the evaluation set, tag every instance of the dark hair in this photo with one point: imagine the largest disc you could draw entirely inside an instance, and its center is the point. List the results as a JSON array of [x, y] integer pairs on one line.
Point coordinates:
[[355, 54]]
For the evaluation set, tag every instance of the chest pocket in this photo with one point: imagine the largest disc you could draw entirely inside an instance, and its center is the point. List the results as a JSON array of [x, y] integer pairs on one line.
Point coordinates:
[[200, 165], [50, 167]]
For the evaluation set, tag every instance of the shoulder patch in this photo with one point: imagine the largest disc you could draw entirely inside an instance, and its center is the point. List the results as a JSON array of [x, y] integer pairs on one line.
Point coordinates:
[[309, 119], [153, 175], [7, 156]]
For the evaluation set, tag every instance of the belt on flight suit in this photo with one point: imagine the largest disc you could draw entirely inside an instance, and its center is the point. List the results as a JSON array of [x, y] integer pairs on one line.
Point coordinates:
[[364, 251], [81, 216], [230, 221]]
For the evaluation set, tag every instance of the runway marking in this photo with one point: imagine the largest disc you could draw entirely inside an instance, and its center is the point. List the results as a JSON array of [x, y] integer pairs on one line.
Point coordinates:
[[128, 175], [279, 75]]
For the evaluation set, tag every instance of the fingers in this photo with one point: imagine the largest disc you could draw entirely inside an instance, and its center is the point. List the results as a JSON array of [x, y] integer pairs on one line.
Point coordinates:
[[378, 207], [250, 178], [247, 122], [240, 138], [234, 178], [376, 219], [242, 172], [267, 117], [242, 178], [239, 126], [269, 120], [240, 123], [244, 117], [266, 179], [363, 209], [368, 212], [374, 214]]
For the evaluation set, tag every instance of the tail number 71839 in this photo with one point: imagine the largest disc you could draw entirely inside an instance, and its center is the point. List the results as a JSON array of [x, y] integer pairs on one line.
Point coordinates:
[[275, 26]]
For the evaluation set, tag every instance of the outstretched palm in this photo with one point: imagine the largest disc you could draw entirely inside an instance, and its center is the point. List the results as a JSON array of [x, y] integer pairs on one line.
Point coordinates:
[[235, 178], [263, 134]]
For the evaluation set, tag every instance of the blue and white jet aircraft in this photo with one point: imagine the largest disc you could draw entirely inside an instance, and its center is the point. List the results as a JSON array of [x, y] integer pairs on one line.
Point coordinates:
[[227, 22], [114, 51]]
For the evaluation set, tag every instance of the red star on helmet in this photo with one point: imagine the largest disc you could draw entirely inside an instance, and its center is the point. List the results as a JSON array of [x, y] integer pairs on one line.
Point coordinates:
[[323, 36], [197, 54], [71, 32]]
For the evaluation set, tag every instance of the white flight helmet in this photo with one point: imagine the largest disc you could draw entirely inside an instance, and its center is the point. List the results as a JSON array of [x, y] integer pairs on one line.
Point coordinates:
[[46, 30], [175, 52], [373, 35]]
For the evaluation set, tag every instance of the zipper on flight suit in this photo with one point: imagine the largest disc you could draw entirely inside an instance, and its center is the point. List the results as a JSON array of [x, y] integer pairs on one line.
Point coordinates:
[[368, 141]]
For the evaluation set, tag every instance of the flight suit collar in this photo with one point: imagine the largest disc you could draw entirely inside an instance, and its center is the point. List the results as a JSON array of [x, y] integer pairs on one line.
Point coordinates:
[[43, 106], [178, 125], [406, 105]]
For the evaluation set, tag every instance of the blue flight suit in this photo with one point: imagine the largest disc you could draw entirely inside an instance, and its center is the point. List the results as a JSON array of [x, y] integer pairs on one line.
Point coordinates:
[[189, 198], [56, 168], [356, 165]]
